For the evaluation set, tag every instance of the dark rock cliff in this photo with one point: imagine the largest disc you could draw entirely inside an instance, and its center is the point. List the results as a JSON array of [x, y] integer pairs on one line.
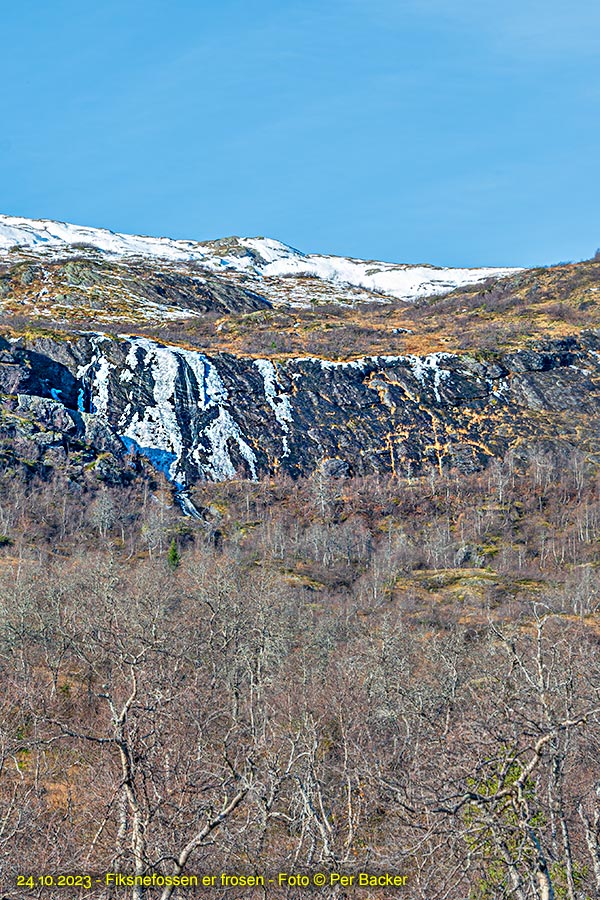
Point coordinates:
[[199, 417]]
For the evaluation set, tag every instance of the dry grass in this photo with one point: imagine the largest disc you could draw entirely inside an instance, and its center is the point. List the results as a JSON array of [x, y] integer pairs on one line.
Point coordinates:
[[503, 314]]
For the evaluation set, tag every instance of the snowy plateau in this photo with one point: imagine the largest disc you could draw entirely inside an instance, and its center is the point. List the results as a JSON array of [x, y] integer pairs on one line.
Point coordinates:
[[277, 271]]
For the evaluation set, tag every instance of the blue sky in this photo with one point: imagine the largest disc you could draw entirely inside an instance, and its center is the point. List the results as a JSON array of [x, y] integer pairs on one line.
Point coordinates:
[[464, 132]]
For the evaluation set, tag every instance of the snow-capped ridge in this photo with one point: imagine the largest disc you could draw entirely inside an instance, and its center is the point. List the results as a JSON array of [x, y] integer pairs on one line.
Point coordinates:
[[258, 257], [60, 237]]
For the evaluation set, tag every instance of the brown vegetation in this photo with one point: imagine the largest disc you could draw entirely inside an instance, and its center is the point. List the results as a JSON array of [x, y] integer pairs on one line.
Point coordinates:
[[329, 675], [501, 314]]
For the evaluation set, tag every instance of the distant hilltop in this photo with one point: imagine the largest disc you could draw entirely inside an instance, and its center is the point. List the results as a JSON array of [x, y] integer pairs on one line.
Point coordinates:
[[258, 258]]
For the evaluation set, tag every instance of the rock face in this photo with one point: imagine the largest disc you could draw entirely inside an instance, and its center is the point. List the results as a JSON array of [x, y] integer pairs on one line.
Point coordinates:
[[41, 433], [196, 417], [98, 288]]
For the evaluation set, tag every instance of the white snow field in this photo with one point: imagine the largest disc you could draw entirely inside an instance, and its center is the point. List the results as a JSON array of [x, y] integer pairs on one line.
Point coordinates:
[[261, 258]]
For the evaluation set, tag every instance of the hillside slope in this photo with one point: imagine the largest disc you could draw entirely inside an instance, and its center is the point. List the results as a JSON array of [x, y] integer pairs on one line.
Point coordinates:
[[369, 645], [173, 349], [262, 261]]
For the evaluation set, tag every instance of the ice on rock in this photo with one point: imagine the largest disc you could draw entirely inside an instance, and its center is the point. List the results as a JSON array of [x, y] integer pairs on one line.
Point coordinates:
[[424, 367], [219, 464], [95, 376], [158, 429], [172, 429], [277, 399], [100, 387], [331, 364]]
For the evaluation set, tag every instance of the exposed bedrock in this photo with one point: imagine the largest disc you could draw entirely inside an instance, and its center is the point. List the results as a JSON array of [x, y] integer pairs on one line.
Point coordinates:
[[199, 417]]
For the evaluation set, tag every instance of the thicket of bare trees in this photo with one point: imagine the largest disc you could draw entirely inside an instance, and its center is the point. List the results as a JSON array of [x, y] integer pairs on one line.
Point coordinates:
[[373, 675]]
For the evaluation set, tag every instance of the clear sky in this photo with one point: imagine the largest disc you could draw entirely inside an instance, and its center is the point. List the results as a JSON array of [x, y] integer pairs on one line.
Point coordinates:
[[456, 132]]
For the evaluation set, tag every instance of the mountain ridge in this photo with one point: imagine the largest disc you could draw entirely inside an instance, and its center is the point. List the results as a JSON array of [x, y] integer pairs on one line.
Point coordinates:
[[210, 372], [258, 257]]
